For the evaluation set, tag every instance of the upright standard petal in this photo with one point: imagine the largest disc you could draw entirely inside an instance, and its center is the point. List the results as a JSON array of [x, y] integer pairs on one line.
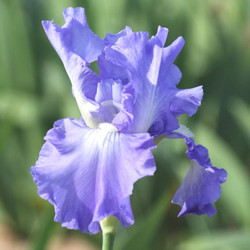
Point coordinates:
[[161, 34], [88, 174], [74, 37], [201, 186], [110, 39], [78, 46], [149, 68]]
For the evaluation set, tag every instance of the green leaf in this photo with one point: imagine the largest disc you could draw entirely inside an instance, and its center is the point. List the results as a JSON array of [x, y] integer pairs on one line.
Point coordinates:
[[241, 113], [223, 240], [44, 231], [142, 234]]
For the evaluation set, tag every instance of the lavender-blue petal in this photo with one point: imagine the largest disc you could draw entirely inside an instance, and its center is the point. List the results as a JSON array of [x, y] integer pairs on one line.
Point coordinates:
[[201, 186], [125, 117], [78, 14], [75, 37], [109, 89], [187, 101], [112, 38], [162, 34], [104, 90], [116, 103], [109, 69], [88, 174], [149, 68], [77, 46], [171, 52]]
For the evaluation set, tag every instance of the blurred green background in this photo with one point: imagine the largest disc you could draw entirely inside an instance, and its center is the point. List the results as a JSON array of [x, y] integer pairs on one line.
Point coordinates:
[[35, 91]]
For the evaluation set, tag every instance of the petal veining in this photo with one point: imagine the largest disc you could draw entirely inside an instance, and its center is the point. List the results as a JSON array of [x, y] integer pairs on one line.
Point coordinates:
[[88, 174], [149, 68]]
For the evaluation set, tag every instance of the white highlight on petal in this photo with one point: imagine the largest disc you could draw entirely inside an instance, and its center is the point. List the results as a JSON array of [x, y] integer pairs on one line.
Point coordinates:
[[107, 127], [153, 71], [185, 131], [210, 170]]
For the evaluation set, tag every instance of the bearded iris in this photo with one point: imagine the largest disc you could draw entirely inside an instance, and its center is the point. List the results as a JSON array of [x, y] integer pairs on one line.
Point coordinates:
[[87, 167]]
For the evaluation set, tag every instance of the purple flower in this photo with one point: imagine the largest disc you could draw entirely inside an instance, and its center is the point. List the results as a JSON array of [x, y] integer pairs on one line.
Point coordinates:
[[87, 167], [201, 186]]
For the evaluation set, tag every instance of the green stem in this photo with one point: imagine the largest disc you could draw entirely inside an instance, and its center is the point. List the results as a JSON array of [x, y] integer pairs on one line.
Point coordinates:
[[108, 241], [109, 226]]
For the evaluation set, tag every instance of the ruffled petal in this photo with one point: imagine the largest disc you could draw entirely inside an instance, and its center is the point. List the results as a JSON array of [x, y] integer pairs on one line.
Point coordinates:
[[74, 37], [88, 174], [161, 34], [201, 186], [149, 68], [78, 14], [137, 61], [171, 52], [125, 117], [186, 101], [116, 103], [107, 68], [78, 46], [110, 39]]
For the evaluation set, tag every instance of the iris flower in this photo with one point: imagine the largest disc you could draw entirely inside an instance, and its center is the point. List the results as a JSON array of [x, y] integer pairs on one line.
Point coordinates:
[[87, 167]]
